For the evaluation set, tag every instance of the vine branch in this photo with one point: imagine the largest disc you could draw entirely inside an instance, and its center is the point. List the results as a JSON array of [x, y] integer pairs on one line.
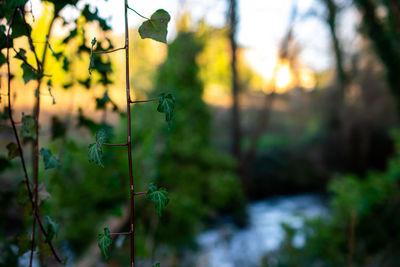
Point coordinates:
[[143, 101], [109, 51], [20, 150]]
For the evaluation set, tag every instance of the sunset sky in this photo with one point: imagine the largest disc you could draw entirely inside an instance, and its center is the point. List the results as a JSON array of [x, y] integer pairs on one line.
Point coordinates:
[[262, 24]]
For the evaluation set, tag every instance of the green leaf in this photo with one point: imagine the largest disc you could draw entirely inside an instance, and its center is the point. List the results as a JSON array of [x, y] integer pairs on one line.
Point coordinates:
[[104, 242], [159, 197], [166, 105], [91, 63], [19, 27], [28, 73], [52, 229], [157, 265], [13, 151], [156, 27], [49, 160], [95, 153], [28, 126]]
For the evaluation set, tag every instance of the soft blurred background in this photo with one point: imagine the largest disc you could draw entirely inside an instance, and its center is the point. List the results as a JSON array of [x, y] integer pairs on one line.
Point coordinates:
[[285, 155]]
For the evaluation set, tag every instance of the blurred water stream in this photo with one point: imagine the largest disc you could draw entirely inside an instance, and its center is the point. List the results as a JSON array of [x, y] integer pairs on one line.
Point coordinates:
[[229, 246]]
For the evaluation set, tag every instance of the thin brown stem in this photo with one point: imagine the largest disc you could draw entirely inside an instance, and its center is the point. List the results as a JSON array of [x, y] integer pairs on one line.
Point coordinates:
[[138, 13], [16, 134], [143, 101], [129, 137], [140, 193], [109, 51]]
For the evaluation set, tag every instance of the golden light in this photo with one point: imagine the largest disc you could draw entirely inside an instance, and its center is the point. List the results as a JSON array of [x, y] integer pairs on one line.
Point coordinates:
[[283, 77], [278, 74], [307, 79]]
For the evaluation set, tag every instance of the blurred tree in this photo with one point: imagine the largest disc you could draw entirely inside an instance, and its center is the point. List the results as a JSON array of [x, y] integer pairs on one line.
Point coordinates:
[[236, 128], [381, 24], [201, 180]]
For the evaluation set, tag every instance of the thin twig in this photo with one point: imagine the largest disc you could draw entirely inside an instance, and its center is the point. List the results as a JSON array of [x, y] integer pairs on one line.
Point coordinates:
[[140, 193], [143, 101], [137, 13], [109, 51], [129, 133]]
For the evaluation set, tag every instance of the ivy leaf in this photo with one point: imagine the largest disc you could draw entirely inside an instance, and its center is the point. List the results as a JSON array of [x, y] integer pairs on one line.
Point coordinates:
[[95, 151], [166, 105], [159, 197], [28, 73], [19, 28], [49, 160], [104, 242], [28, 126], [13, 151], [91, 63], [52, 229], [156, 27]]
